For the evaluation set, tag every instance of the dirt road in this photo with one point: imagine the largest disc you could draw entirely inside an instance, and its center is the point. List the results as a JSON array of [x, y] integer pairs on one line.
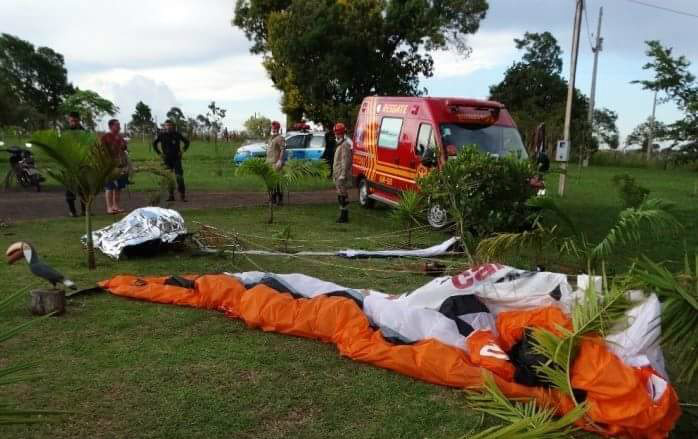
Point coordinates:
[[23, 205]]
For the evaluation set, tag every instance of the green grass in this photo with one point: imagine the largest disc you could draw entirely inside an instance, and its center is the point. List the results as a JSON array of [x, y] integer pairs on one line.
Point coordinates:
[[206, 168], [136, 369]]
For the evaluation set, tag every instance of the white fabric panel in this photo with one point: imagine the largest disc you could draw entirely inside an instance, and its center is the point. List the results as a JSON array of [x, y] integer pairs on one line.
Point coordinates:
[[483, 321], [488, 282], [412, 323], [637, 343], [429, 252], [304, 285]]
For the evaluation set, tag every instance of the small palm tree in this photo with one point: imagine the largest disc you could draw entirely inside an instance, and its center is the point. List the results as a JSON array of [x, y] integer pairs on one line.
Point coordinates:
[[408, 212], [679, 295], [84, 167], [292, 172]]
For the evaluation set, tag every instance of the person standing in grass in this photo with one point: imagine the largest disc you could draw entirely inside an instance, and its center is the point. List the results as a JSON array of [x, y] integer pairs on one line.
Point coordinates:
[[341, 171], [275, 157], [74, 125], [171, 154], [115, 144]]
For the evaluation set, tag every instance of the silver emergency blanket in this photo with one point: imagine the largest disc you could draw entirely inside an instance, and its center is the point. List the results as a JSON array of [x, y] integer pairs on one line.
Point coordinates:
[[139, 226]]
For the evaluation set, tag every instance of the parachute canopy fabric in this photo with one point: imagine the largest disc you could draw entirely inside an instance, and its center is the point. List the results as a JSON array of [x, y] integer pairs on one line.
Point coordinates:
[[143, 225], [448, 332]]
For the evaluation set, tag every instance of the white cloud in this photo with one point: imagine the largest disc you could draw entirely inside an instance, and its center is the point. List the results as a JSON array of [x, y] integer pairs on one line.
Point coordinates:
[[489, 50]]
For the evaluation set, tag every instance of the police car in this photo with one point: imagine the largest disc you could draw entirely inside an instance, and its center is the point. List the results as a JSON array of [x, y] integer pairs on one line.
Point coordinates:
[[300, 145]]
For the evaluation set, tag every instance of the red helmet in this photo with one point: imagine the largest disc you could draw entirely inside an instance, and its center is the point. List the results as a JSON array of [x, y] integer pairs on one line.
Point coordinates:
[[339, 128], [275, 126]]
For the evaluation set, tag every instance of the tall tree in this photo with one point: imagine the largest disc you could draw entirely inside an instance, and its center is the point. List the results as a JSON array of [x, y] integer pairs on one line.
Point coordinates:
[[317, 69], [605, 130], [215, 115], [91, 106], [142, 120], [534, 91], [177, 117], [258, 127], [640, 135], [674, 82], [36, 77], [541, 51]]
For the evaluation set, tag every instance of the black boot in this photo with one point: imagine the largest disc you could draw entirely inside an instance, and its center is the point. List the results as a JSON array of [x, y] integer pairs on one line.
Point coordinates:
[[183, 197], [343, 215], [71, 208]]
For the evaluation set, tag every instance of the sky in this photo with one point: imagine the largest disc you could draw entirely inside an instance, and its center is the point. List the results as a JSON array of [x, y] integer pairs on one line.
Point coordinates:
[[186, 53]]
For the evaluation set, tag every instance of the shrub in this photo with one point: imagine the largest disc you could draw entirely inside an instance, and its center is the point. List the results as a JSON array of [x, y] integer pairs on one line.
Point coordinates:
[[481, 192], [629, 191]]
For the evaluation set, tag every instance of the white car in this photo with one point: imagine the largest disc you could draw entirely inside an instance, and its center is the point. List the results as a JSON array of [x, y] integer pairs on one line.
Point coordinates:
[[299, 146]]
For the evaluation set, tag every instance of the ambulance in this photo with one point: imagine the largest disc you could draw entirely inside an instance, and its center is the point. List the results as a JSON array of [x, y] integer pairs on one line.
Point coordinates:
[[399, 139]]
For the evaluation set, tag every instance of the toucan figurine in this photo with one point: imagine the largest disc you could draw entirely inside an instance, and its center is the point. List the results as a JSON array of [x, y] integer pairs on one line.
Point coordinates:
[[16, 251]]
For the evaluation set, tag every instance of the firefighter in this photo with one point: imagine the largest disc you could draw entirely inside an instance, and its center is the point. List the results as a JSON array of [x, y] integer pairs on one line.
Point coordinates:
[[172, 156], [275, 157], [341, 170]]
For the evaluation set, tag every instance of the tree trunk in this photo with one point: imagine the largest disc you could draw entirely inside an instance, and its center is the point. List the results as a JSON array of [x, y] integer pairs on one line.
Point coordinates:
[[271, 211], [47, 301], [88, 229]]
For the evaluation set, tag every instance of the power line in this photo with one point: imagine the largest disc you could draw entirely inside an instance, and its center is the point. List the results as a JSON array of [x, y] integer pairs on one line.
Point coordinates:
[[663, 8]]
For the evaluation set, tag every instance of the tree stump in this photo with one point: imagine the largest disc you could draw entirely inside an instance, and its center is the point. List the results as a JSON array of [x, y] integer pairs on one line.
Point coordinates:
[[47, 301]]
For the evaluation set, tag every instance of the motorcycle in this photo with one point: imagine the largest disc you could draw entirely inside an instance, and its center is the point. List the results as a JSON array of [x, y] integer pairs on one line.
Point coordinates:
[[22, 168]]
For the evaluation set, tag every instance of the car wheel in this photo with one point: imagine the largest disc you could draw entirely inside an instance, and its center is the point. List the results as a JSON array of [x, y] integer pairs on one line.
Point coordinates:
[[364, 199], [437, 217]]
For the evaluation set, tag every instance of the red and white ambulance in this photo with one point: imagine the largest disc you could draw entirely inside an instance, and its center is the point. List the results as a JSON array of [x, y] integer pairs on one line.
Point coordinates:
[[398, 139]]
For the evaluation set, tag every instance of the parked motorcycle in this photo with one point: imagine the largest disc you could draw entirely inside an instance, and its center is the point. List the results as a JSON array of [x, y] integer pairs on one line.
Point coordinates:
[[22, 168]]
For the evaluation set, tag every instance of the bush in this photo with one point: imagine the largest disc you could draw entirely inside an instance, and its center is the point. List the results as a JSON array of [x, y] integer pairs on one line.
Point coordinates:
[[483, 193], [630, 193]]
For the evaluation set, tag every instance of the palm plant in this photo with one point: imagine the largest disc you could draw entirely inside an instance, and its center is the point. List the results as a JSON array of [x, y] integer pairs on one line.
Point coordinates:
[[597, 313], [679, 296], [653, 215], [84, 167], [20, 373], [408, 212], [292, 172], [163, 177], [525, 419]]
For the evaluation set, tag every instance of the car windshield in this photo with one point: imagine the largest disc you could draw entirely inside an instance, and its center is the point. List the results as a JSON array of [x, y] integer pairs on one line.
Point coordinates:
[[494, 139]]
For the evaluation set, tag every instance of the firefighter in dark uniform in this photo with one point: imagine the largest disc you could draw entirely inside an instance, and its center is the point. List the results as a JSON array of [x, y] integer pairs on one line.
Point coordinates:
[[328, 154], [172, 155], [275, 157], [341, 171], [74, 125]]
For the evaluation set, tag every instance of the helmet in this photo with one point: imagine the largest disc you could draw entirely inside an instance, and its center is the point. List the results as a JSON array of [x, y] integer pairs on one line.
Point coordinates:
[[275, 126], [339, 128]]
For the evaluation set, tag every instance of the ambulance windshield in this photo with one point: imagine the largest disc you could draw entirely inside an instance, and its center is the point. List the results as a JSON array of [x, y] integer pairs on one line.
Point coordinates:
[[494, 139]]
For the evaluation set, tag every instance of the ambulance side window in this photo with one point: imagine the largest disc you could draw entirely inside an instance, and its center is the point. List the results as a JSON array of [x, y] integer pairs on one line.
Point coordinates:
[[390, 132], [426, 142]]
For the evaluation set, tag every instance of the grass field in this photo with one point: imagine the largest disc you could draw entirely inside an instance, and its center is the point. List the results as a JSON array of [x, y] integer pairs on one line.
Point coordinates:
[[206, 168], [133, 369]]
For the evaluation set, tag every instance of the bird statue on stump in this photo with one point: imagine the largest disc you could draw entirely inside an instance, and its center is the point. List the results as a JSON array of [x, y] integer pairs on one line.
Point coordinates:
[[42, 301]]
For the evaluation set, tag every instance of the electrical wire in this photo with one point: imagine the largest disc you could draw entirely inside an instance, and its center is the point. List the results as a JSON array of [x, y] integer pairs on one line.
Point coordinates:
[[663, 8]]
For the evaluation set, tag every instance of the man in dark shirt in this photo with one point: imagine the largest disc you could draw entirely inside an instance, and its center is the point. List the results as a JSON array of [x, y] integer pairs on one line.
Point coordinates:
[[74, 125], [172, 155]]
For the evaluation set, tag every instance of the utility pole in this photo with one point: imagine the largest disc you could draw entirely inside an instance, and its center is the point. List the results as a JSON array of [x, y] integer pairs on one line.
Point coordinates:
[[598, 47], [650, 139], [570, 88]]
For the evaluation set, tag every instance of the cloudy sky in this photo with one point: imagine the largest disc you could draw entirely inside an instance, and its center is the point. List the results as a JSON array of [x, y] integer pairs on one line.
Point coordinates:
[[186, 53]]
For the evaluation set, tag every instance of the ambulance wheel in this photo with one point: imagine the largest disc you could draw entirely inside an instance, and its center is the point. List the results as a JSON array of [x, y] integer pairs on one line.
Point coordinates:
[[437, 217], [364, 199]]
